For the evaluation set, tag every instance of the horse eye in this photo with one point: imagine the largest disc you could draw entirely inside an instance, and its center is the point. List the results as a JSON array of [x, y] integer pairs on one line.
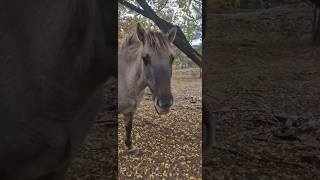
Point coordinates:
[[146, 59]]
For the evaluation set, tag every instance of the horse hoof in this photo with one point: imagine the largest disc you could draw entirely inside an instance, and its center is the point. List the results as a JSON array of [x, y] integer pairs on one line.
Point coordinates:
[[134, 151]]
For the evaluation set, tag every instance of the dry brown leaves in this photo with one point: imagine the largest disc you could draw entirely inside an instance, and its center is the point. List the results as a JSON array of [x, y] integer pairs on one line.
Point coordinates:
[[170, 144]]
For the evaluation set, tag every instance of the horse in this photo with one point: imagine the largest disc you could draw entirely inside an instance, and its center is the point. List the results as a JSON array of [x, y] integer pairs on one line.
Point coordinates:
[[54, 59], [144, 60]]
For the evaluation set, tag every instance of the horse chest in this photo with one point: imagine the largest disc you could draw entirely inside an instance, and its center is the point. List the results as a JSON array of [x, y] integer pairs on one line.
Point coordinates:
[[129, 102]]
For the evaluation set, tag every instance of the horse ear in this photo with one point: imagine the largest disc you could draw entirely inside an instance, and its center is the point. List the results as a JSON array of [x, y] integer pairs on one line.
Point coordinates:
[[141, 33], [134, 42], [172, 34]]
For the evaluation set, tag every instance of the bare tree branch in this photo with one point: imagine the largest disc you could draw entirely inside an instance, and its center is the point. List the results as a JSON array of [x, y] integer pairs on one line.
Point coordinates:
[[132, 7], [180, 41]]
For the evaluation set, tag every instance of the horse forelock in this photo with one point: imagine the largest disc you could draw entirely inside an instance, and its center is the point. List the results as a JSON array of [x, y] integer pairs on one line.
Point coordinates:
[[158, 42]]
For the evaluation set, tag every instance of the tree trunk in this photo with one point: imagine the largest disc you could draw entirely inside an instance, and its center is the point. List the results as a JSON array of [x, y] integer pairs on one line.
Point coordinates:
[[180, 41]]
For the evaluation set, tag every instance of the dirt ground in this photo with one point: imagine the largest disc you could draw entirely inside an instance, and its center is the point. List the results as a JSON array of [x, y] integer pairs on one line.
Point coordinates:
[[170, 144], [262, 80]]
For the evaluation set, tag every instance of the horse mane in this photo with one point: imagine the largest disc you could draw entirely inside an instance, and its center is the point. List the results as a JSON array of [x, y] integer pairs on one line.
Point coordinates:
[[157, 41]]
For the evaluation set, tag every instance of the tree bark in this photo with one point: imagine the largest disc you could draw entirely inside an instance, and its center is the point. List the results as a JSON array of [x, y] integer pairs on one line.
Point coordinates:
[[180, 41]]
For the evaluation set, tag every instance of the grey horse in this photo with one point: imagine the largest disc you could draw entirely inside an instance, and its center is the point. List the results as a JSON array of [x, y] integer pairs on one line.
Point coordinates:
[[144, 60]]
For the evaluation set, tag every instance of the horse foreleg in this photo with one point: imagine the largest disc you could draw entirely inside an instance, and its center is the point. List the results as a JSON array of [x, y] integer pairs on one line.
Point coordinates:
[[128, 117]]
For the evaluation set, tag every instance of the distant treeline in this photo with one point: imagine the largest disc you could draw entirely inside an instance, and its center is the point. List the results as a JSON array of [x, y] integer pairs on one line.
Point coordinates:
[[182, 61]]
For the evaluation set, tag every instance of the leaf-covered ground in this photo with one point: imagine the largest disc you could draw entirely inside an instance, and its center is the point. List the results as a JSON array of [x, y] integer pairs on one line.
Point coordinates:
[[263, 84], [170, 144]]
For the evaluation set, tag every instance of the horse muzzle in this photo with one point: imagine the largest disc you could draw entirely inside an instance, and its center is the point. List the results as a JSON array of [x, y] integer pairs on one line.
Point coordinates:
[[162, 106]]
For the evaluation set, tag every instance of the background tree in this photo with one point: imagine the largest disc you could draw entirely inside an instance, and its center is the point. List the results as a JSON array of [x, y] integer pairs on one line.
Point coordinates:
[[163, 15]]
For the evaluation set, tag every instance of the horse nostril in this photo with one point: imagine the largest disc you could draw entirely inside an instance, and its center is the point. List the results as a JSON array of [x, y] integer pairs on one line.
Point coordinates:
[[161, 103], [164, 103]]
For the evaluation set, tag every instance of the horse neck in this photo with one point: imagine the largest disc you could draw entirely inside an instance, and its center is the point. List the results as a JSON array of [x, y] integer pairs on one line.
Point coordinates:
[[140, 81], [136, 68]]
